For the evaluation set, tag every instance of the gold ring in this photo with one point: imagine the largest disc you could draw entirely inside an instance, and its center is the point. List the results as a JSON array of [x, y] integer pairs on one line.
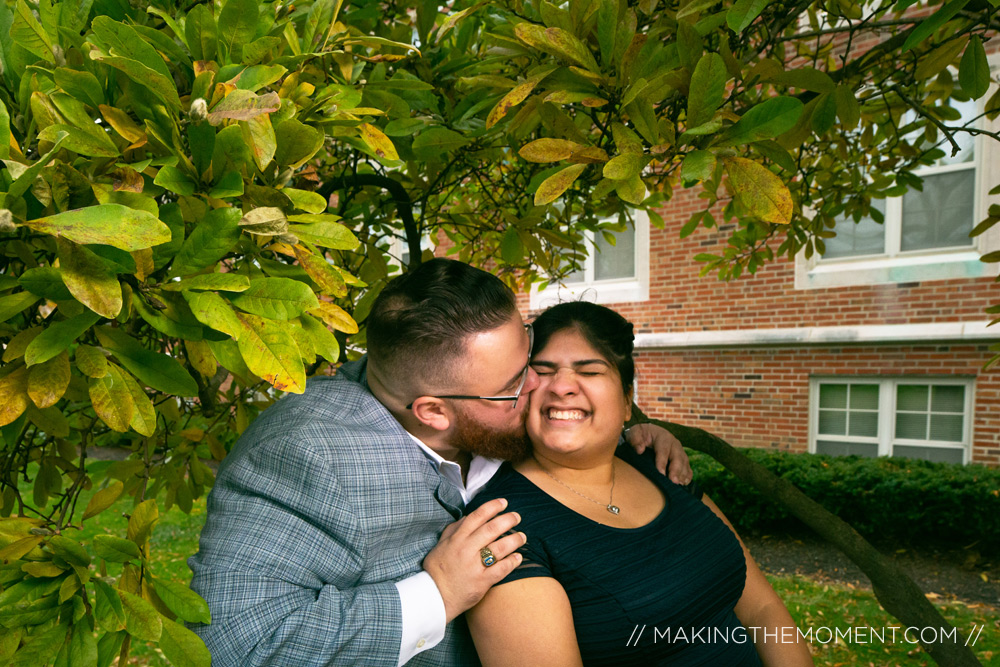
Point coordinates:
[[487, 556]]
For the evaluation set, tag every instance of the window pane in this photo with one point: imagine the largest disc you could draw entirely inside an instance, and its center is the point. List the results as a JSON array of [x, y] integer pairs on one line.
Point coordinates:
[[942, 215], [966, 141], [833, 396], [936, 454], [867, 237], [911, 397], [947, 427], [864, 397], [864, 423], [867, 449], [575, 277], [911, 427], [615, 261], [947, 399], [832, 422]]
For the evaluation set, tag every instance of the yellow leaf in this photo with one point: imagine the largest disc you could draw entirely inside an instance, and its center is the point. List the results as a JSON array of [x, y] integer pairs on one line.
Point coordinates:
[[762, 194], [90, 279], [16, 550], [140, 524], [380, 144], [19, 343], [122, 124], [329, 281], [13, 396], [270, 352], [144, 414], [193, 434], [201, 357], [103, 499], [556, 184], [143, 263], [517, 95], [91, 361], [112, 400], [589, 155], [47, 381], [336, 317], [549, 150]]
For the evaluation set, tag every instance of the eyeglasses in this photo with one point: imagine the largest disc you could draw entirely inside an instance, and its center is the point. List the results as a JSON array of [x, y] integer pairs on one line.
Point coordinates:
[[520, 385]]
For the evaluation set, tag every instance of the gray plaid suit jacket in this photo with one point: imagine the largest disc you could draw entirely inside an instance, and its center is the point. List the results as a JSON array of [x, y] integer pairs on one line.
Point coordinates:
[[322, 505]]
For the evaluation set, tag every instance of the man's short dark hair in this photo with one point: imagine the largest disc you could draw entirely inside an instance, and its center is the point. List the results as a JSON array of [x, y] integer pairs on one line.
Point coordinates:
[[418, 324]]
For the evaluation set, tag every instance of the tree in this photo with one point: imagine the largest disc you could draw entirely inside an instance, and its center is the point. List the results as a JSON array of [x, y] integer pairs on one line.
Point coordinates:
[[171, 261]]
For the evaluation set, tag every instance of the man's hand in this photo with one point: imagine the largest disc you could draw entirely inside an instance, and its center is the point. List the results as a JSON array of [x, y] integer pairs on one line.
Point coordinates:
[[455, 563], [669, 451]]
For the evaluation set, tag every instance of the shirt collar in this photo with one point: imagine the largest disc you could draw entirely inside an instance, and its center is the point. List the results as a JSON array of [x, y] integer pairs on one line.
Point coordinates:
[[481, 470]]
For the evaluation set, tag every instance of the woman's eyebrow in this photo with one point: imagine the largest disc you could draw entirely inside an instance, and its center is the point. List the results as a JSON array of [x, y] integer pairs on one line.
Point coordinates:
[[575, 364]]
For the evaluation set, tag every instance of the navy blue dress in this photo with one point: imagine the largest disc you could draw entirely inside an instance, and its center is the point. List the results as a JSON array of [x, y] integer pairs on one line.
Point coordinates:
[[661, 594]]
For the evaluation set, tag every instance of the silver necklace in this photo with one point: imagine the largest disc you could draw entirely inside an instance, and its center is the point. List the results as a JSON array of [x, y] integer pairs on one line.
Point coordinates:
[[610, 506]]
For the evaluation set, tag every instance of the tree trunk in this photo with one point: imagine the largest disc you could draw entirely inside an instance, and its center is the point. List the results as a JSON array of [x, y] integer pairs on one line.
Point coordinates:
[[897, 592]]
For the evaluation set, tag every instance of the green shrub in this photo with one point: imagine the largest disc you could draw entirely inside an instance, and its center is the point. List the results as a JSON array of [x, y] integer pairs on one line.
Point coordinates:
[[886, 499]]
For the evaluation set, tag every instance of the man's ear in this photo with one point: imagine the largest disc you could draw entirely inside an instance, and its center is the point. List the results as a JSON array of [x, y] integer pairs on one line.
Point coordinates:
[[432, 412]]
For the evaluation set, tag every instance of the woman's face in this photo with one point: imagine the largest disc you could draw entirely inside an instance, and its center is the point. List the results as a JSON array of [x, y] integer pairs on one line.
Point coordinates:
[[579, 406]]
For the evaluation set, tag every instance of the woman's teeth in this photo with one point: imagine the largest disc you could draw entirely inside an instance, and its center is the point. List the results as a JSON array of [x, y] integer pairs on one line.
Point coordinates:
[[566, 415]]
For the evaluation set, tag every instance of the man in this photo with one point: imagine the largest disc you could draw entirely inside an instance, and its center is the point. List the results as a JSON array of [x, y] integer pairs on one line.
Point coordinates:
[[322, 540]]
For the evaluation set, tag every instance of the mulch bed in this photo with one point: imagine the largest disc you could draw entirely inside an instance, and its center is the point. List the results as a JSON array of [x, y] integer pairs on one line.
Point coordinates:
[[962, 573]]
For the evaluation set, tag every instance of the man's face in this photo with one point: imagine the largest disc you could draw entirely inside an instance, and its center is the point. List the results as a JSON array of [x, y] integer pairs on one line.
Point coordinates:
[[493, 365]]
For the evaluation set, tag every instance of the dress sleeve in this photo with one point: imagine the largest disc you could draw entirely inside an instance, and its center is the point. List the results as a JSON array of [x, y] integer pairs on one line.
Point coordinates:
[[694, 488], [535, 563]]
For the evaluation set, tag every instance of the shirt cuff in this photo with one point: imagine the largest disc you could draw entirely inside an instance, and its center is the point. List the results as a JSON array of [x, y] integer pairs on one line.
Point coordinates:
[[423, 615]]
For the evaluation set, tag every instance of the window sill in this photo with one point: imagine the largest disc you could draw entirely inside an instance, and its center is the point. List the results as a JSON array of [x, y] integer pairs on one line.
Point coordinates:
[[598, 292], [883, 270]]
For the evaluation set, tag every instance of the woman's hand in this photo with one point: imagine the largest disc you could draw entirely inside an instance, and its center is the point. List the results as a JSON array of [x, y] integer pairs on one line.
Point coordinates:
[[669, 452]]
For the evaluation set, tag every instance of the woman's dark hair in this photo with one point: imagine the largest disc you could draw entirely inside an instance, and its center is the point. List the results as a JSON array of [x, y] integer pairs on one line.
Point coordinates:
[[605, 330]]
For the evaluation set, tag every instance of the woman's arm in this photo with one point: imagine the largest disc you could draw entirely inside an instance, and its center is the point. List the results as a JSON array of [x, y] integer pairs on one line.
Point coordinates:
[[776, 638], [525, 622]]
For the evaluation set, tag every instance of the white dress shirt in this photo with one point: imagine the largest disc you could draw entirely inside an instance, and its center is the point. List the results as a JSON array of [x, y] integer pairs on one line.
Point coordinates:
[[422, 606]]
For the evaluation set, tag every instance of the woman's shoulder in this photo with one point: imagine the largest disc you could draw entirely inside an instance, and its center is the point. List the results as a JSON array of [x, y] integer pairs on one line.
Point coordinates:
[[505, 483], [646, 464]]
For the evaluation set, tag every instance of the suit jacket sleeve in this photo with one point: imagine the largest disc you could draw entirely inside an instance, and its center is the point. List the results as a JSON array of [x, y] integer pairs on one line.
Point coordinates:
[[282, 564]]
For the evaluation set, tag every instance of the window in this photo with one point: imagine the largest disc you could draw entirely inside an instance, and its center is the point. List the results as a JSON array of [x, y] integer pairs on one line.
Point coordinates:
[[918, 418], [925, 234], [611, 273]]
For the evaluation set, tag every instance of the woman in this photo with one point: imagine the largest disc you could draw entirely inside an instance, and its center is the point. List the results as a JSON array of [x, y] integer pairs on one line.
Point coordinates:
[[621, 566]]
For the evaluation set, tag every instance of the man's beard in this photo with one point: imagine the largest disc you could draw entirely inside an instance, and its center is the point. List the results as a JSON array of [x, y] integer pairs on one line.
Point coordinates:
[[473, 437]]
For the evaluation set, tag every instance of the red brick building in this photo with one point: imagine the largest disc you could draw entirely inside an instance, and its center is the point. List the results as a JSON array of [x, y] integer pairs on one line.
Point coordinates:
[[875, 349]]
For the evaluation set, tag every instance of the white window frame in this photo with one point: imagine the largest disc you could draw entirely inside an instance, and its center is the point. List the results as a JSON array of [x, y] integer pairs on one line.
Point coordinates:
[[895, 266], [887, 412], [617, 290]]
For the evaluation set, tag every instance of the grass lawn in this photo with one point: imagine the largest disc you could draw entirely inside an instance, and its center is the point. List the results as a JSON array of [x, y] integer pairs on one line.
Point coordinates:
[[821, 607]]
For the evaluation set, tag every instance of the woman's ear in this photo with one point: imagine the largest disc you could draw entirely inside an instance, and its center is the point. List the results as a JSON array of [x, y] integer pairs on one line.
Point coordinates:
[[432, 412], [628, 405]]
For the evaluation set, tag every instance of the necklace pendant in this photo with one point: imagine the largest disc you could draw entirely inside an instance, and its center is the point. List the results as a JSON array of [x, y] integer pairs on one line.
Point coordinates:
[[613, 509]]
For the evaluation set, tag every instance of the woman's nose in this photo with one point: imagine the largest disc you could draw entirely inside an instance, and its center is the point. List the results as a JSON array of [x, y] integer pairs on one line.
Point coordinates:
[[564, 382]]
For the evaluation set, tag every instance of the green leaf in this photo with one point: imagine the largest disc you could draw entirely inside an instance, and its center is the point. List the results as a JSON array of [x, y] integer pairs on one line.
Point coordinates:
[[143, 519], [743, 12], [265, 220], [176, 326], [626, 165], [824, 113], [188, 605], [156, 370], [182, 647], [770, 118], [80, 141], [211, 240], [631, 190], [511, 248], [201, 33], [556, 184], [270, 352], [57, 337], [142, 621], [404, 127], [125, 228], [276, 298], [331, 235], [974, 70], [82, 645], [929, 26], [807, 78], [111, 399], [296, 143], [760, 192], [46, 282], [304, 200], [90, 279], [435, 142], [47, 382], [259, 135], [29, 34], [40, 649], [213, 311], [698, 166], [237, 25], [103, 499], [848, 109], [15, 303], [115, 549], [221, 282], [258, 76], [230, 185], [175, 180], [19, 343], [322, 339], [69, 550], [558, 42], [708, 87], [108, 610]]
